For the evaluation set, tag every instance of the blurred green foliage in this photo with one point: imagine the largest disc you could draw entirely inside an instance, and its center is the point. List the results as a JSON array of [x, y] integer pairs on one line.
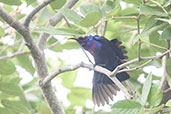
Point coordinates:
[[121, 22]]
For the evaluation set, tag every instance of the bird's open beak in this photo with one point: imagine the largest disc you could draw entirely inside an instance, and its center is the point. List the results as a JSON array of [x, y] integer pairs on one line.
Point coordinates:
[[73, 39]]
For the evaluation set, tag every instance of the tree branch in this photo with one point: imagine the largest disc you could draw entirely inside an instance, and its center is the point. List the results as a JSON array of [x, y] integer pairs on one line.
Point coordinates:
[[36, 10], [90, 67], [39, 60], [52, 22], [136, 60]]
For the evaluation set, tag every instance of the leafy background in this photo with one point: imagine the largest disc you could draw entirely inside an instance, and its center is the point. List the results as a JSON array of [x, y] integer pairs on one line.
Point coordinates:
[[121, 22]]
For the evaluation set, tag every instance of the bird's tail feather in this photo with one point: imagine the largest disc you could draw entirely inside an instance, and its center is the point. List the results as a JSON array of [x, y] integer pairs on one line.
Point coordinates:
[[103, 92]]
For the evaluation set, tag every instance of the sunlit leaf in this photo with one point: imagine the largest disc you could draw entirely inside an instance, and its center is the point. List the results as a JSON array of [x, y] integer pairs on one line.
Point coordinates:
[[68, 78], [26, 63], [6, 111], [57, 4], [6, 67], [85, 9], [156, 109], [90, 19], [11, 2], [166, 34], [154, 38], [164, 20], [10, 89], [168, 103], [155, 96], [67, 45], [71, 15], [146, 89], [59, 31], [147, 32], [168, 66], [2, 33], [16, 106], [107, 7], [152, 10], [126, 107], [79, 95], [137, 2]]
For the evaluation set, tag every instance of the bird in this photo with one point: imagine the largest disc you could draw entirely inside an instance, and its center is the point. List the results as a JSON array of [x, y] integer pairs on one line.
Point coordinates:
[[108, 54]]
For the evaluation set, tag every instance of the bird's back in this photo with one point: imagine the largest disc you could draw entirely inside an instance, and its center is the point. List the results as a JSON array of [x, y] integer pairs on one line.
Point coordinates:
[[110, 56]]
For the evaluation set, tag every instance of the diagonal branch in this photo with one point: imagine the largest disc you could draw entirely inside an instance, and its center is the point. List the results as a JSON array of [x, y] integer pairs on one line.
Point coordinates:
[[90, 67], [35, 11], [52, 22]]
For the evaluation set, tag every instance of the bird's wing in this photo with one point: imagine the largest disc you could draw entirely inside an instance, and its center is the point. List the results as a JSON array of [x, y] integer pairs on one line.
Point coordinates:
[[119, 49], [115, 45]]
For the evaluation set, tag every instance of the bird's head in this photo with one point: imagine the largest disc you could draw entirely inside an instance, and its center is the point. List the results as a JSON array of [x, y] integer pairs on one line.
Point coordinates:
[[89, 43]]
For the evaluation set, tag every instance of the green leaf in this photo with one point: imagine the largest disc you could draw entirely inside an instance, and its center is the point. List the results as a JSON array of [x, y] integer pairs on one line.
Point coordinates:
[[147, 32], [164, 20], [152, 10], [10, 89], [7, 67], [30, 84], [79, 95], [126, 107], [2, 33], [11, 2], [167, 3], [168, 66], [137, 2], [85, 9], [168, 103], [59, 31], [16, 106], [6, 111], [166, 34], [26, 63], [146, 89], [68, 78], [91, 19], [71, 15], [154, 38], [57, 4], [151, 22], [30, 2], [67, 45], [155, 96], [156, 109], [107, 7]]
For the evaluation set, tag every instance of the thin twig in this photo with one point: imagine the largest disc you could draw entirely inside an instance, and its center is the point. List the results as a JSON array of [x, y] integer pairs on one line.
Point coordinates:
[[139, 50], [158, 4], [136, 68], [154, 45], [105, 26], [68, 24], [35, 11], [13, 55], [163, 81], [139, 41], [136, 60]]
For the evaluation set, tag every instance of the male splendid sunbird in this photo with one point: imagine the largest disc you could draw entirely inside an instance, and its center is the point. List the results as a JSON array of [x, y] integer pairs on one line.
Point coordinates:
[[108, 54]]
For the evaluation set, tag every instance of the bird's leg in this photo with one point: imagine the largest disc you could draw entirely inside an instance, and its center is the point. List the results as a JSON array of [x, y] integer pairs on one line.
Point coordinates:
[[88, 57]]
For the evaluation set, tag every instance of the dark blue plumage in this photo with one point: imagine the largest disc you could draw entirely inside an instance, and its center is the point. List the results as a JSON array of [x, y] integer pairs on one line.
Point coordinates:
[[108, 54]]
